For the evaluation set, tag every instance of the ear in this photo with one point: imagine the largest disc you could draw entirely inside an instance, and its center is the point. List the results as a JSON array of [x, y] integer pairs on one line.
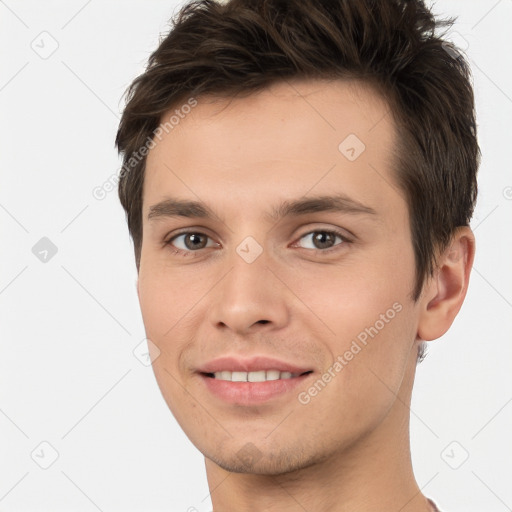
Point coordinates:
[[444, 293]]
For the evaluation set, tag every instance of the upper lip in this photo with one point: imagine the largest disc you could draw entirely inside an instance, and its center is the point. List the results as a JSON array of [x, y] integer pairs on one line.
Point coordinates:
[[253, 364]]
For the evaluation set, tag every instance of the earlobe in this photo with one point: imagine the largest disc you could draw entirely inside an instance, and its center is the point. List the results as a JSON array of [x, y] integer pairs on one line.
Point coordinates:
[[445, 291]]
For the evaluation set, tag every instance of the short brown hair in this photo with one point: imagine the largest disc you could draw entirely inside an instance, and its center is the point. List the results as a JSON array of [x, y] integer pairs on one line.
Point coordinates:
[[239, 47]]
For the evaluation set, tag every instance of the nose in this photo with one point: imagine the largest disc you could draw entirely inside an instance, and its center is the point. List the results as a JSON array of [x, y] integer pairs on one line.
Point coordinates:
[[249, 298]]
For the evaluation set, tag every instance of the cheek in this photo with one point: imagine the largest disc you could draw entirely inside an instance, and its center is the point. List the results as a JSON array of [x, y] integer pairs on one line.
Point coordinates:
[[372, 322], [353, 296], [164, 305], [368, 376], [164, 297]]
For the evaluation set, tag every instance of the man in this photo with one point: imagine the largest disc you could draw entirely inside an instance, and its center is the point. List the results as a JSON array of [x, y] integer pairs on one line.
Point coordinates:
[[298, 180]]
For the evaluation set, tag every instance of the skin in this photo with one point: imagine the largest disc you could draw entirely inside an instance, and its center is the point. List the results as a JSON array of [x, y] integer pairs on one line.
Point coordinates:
[[348, 448]]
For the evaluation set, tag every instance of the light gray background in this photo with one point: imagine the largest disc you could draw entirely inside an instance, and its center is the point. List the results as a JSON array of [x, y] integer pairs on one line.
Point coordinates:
[[69, 326]]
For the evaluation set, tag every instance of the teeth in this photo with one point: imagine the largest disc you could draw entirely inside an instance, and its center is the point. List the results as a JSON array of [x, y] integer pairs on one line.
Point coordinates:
[[273, 374], [259, 376]]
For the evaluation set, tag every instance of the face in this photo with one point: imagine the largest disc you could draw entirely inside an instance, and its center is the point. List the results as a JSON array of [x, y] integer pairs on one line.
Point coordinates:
[[279, 304]]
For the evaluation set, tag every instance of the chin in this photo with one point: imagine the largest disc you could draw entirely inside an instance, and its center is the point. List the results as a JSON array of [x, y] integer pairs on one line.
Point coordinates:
[[250, 460]]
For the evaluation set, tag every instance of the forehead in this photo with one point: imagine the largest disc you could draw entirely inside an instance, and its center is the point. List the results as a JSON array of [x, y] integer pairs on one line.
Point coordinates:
[[285, 141]]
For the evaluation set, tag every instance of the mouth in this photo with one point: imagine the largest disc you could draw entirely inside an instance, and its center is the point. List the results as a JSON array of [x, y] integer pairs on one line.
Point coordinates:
[[255, 376], [251, 381]]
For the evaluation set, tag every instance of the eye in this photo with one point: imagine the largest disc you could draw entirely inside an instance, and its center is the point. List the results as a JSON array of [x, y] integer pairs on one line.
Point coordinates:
[[323, 240], [190, 242]]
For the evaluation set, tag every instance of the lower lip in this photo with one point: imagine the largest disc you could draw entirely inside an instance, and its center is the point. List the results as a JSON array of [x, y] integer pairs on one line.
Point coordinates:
[[249, 393]]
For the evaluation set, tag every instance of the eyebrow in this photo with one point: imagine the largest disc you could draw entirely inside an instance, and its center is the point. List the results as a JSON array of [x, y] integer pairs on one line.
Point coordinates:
[[340, 203]]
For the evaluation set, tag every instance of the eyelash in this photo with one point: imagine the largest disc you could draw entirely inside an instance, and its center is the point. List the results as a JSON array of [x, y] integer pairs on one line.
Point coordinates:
[[344, 238]]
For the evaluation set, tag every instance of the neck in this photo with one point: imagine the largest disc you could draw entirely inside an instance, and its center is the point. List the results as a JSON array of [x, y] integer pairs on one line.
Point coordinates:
[[373, 473]]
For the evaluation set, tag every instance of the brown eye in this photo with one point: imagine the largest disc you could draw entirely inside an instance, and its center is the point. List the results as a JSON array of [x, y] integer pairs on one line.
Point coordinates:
[[322, 239], [190, 241]]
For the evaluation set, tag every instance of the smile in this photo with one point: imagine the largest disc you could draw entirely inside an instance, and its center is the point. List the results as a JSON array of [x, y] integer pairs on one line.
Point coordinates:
[[249, 381], [257, 376]]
